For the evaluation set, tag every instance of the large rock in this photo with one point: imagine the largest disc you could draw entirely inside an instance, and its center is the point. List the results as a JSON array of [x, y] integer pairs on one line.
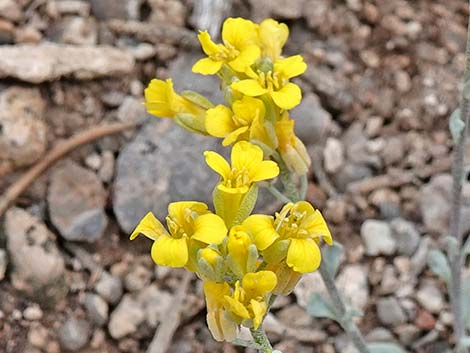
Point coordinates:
[[185, 79], [435, 204], [22, 127], [312, 122], [48, 61], [76, 202], [37, 265], [74, 334], [163, 164]]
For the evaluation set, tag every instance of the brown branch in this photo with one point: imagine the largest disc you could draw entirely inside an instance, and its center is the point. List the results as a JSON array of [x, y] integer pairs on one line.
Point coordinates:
[[162, 339], [55, 154]]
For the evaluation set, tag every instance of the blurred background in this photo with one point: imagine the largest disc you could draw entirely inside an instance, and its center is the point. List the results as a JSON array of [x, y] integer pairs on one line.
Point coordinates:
[[383, 77]]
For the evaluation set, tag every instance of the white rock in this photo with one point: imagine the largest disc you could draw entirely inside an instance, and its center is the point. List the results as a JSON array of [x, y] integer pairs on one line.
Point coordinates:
[[125, 319], [333, 155], [352, 283], [377, 237], [45, 62], [430, 297]]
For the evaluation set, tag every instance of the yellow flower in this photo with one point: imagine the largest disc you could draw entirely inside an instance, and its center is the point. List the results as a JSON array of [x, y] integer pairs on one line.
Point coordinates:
[[161, 100], [247, 167], [248, 302], [222, 327], [188, 111], [299, 228], [242, 253], [275, 82], [245, 122], [189, 223], [272, 35], [239, 50], [287, 278], [291, 148]]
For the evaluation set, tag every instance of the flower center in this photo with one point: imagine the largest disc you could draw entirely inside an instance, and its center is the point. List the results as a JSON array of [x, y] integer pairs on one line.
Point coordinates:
[[181, 227], [225, 53], [270, 80], [288, 224], [238, 178]]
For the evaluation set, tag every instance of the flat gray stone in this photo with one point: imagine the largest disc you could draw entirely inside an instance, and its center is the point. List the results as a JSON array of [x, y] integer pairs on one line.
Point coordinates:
[[74, 334], [76, 200], [390, 311], [377, 237], [163, 164], [48, 62]]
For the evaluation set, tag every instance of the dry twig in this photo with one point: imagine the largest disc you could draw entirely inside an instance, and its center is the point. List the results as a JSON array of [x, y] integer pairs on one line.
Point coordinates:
[[162, 339], [55, 154]]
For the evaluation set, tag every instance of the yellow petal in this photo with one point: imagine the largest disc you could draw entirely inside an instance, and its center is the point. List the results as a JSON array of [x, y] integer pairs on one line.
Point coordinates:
[[236, 307], [273, 35], [219, 122], [247, 109], [168, 251], [265, 170], [250, 87], [259, 284], [276, 252], [209, 229], [259, 310], [179, 210], [208, 46], [317, 227], [222, 327], [262, 229], [246, 58], [207, 66], [234, 135], [288, 96], [246, 155], [291, 66], [218, 164], [303, 255], [157, 98], [214, 293], [238, 32], [149, 226]]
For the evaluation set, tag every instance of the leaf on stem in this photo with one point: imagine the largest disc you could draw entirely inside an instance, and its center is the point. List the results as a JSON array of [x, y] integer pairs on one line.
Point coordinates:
[[320, 307], [332, 257], [438, 264]]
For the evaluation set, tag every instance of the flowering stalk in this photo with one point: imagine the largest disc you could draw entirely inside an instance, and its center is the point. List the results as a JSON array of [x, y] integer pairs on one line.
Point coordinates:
[[455, 257], [345, 320]]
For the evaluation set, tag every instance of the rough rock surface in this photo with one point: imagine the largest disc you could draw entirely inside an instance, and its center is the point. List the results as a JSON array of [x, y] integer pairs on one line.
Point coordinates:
[[76, 203], [38, 267], [149, 175], [47, 62], [22, 127]]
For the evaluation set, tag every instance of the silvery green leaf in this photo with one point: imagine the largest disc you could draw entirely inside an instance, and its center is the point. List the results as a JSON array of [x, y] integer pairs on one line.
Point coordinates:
[[438, 264], [466, 90], [352, 312], [452, 245], [382, 347], [456, 125], [320, 307], [332, 257]]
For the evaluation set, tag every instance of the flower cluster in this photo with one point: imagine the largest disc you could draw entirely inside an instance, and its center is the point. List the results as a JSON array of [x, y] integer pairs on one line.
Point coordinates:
[[244, 259]]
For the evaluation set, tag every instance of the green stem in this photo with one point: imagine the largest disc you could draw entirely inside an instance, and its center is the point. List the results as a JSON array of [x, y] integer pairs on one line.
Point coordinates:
[[456, 262], [345, 320], [277, 194], [260, 338]]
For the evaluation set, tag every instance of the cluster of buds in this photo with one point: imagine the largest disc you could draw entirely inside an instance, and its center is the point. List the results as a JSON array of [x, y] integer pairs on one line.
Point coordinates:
[[244, 259]]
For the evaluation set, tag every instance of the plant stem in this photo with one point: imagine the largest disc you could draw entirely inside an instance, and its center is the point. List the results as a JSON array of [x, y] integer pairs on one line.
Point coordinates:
[[455, 289], [277, 194], [345, 320], [260, 338]]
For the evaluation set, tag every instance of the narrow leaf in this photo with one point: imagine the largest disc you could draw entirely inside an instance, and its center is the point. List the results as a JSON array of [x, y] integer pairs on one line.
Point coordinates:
[[320, 307], [380, 347], [332, 257], [438, 264]]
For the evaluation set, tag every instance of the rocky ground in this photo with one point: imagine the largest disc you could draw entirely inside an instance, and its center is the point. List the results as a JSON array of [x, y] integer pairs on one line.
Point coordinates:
[[383, 77]]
